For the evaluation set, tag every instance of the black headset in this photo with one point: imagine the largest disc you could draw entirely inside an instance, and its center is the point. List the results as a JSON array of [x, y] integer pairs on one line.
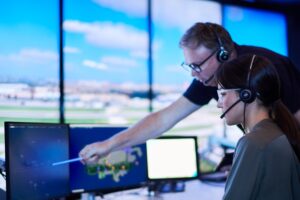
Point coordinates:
[[222, 54], [246, 94]]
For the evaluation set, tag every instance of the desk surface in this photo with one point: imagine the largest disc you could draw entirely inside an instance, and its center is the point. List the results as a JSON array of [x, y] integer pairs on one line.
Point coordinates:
[[194, 190]]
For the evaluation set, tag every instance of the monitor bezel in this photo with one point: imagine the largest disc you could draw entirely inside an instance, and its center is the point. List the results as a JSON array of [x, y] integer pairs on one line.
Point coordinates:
[[114, 189], [7, 158], [175, 137]]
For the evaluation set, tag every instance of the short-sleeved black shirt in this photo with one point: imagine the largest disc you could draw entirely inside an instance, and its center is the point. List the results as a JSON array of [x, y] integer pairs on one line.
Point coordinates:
[[288, 73]]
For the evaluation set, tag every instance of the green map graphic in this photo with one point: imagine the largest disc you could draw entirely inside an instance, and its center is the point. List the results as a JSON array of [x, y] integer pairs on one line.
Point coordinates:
[[116, 164]]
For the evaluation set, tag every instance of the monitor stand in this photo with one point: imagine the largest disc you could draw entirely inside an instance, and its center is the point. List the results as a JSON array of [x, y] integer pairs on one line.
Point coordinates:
[[88, 196], [91, 196], [157, 187]]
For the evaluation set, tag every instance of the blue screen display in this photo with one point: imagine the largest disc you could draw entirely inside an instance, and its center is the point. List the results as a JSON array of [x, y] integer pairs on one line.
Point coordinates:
[[119, 170], [256, 27], [31, 149]]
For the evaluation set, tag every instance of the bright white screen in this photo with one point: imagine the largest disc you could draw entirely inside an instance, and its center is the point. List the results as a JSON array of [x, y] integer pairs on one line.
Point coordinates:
[[172, 158]]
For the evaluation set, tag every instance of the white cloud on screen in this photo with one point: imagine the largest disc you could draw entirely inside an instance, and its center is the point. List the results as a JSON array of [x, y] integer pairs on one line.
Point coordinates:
[[131, 7], [72, 50], [111, 63], [184, 13], [156, 45], [172, 13], [119, 61], [94, 64], [109, 35], [32, 55]]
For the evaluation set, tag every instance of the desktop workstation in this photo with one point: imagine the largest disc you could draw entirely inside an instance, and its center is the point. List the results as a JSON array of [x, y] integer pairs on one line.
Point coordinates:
[[166, 167]]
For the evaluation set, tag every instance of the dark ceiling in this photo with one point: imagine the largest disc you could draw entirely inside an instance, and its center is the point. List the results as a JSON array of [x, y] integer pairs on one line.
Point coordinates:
[[285, 5], [281, 2]]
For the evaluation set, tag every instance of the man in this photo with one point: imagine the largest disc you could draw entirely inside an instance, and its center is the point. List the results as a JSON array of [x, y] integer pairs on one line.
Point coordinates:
[[205, 47]]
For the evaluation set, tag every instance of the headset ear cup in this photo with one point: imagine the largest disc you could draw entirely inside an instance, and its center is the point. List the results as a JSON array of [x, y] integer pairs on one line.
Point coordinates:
[[222, 55], [247, 96]]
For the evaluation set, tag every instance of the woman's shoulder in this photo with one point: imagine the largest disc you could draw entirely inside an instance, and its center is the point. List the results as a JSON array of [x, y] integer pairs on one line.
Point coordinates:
[[264, 132], [266, 137]]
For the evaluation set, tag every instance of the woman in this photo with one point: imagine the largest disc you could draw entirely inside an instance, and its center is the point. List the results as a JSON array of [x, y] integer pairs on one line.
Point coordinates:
[[266, 161]]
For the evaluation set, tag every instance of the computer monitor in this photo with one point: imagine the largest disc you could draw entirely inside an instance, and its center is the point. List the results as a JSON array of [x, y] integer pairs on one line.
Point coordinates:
[[30, 151], [243, 23], [172, 158], [118, 171]]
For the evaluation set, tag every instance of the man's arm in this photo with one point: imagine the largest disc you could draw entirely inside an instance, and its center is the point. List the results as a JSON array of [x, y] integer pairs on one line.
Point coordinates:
[[151, 126]]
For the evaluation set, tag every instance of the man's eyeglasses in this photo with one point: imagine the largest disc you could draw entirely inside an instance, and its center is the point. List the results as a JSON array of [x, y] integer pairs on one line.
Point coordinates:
[[197, 67], [221, 92]]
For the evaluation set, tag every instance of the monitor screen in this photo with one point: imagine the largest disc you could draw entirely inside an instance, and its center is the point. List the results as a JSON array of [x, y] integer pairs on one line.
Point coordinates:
[[172, 157], [31, 149], [119, 170], [258, 27]]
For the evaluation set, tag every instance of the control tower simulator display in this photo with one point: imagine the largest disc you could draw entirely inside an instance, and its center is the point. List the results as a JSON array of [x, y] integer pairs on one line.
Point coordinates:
[[30, 151], [119, 170]]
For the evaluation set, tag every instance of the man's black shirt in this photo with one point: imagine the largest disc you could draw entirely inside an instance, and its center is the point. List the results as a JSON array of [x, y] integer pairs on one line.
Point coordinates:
[[289, 76]]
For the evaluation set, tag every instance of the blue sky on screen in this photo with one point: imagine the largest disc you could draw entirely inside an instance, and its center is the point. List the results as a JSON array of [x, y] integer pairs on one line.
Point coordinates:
[[29, 39], [104, 40], [256, 27]]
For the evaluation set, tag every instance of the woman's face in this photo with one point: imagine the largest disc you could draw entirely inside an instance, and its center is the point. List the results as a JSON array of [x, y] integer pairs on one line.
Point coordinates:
[[227, 97]]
